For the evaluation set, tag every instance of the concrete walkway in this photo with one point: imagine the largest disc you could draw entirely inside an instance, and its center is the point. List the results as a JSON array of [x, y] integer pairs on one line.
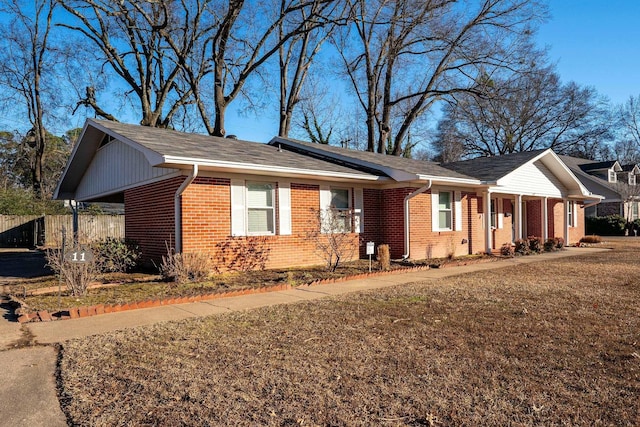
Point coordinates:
[[28, 394]]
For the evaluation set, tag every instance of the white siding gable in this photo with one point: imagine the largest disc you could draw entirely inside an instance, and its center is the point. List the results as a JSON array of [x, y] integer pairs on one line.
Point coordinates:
[[533, 179], [117, 166]]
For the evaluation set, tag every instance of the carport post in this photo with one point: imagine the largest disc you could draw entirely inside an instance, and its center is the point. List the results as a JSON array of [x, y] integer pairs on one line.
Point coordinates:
[[74, 212]]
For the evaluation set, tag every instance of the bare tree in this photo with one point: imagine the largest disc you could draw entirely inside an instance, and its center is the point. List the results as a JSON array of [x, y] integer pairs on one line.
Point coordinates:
[[402, 56], [523, 112], [247, 37], [25, 62], [129, 34], [296, 56], [332, 236]]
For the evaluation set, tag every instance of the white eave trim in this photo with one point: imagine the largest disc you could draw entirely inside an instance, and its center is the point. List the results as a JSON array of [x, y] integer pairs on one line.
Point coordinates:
[[173, 162], [449, 180]]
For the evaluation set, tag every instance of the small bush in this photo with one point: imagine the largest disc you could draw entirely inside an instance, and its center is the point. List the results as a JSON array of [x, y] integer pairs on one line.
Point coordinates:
[[535, 244], [384, 257], [185, 267], [76, 275], [591, 239], [522, 247], [116, 255], [507, 249], [550, 245], [559, 242]]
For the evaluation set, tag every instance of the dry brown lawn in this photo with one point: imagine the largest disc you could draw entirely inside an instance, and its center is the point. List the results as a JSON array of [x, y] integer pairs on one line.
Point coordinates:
[[544, 344]]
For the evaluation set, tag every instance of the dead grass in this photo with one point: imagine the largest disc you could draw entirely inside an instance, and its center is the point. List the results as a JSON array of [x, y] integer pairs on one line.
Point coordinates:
[[544, 344]]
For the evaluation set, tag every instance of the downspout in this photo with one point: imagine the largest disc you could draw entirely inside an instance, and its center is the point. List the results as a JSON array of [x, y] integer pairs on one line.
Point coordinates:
[[177, 206], [407, 217]]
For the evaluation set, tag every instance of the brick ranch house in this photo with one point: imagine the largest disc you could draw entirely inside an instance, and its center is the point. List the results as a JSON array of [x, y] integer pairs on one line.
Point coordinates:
[[199, 192]]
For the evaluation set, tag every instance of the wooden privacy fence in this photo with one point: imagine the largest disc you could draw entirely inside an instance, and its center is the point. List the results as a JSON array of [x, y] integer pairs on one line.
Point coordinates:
[[26, 231]]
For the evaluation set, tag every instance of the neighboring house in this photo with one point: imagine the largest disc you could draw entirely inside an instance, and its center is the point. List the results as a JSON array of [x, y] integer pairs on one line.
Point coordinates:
[[618, 184], [197, 193]]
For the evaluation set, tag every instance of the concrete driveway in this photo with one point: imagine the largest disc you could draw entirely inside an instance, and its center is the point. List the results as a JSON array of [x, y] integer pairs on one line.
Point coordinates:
[[18, 264]]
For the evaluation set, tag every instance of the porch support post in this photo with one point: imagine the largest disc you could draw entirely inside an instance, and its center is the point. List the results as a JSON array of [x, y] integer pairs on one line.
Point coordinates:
[[486, 201], [566, 221], [517, 214], [545, 219]]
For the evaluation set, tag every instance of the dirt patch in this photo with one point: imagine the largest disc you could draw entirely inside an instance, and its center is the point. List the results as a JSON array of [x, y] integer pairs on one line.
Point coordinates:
[[538, 344]]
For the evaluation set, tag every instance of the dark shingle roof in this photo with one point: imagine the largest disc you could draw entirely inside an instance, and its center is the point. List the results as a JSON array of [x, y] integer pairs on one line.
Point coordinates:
[[594, 183], [589, 165], [491, 169], [172, 143], [410, 166]]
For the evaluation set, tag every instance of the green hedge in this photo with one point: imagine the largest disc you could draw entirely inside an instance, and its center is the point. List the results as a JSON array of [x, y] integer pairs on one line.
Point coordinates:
[[612, 225]]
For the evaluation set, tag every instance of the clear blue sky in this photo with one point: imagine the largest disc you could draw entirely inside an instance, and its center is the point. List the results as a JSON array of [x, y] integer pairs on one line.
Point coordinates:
[[596, 43]]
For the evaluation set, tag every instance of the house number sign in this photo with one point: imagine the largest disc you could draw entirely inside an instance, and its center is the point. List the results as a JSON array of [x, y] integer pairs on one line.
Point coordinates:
[[82, 254]]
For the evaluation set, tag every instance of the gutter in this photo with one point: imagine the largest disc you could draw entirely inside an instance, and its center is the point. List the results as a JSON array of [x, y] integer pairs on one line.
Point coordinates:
[[177, 206], [407, 216]]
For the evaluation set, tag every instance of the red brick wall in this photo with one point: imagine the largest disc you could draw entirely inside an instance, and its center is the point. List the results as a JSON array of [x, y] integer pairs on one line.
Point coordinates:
[[576, 233], [150, 218], [426, 243], [474, 219], [392, 219], [556, 218], [206, 221], [206, 214], [534, 218], [373, 206]]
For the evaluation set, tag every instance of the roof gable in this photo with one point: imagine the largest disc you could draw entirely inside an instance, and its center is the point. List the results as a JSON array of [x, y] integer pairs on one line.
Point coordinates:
[[539, 172]]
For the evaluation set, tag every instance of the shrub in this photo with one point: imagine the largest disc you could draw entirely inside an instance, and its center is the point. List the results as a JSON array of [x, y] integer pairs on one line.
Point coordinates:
[[116, 255], [550, 245], [185, 267], [591, 239], [536, 245], [76, 275], [507, 250], [384, 257], [522, 247], [332, 237], [559, 242], [612, 225]]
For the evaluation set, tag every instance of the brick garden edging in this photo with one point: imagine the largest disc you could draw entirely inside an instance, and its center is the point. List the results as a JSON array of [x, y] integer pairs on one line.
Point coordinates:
[[25, 316]]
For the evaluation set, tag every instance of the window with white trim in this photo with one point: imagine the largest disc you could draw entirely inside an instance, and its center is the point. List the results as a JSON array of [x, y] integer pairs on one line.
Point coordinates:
[[260, 208], [634, 211], [493, 213], [612, 176], [632, 179], [570, 213], [444, 210], [341, 206]]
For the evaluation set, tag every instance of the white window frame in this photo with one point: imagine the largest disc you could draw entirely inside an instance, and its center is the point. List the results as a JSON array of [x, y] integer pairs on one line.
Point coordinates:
[[342, 211], [612, 176], [632, 179], [634, 211], [449, 210], [571, 213], [266, 208]]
